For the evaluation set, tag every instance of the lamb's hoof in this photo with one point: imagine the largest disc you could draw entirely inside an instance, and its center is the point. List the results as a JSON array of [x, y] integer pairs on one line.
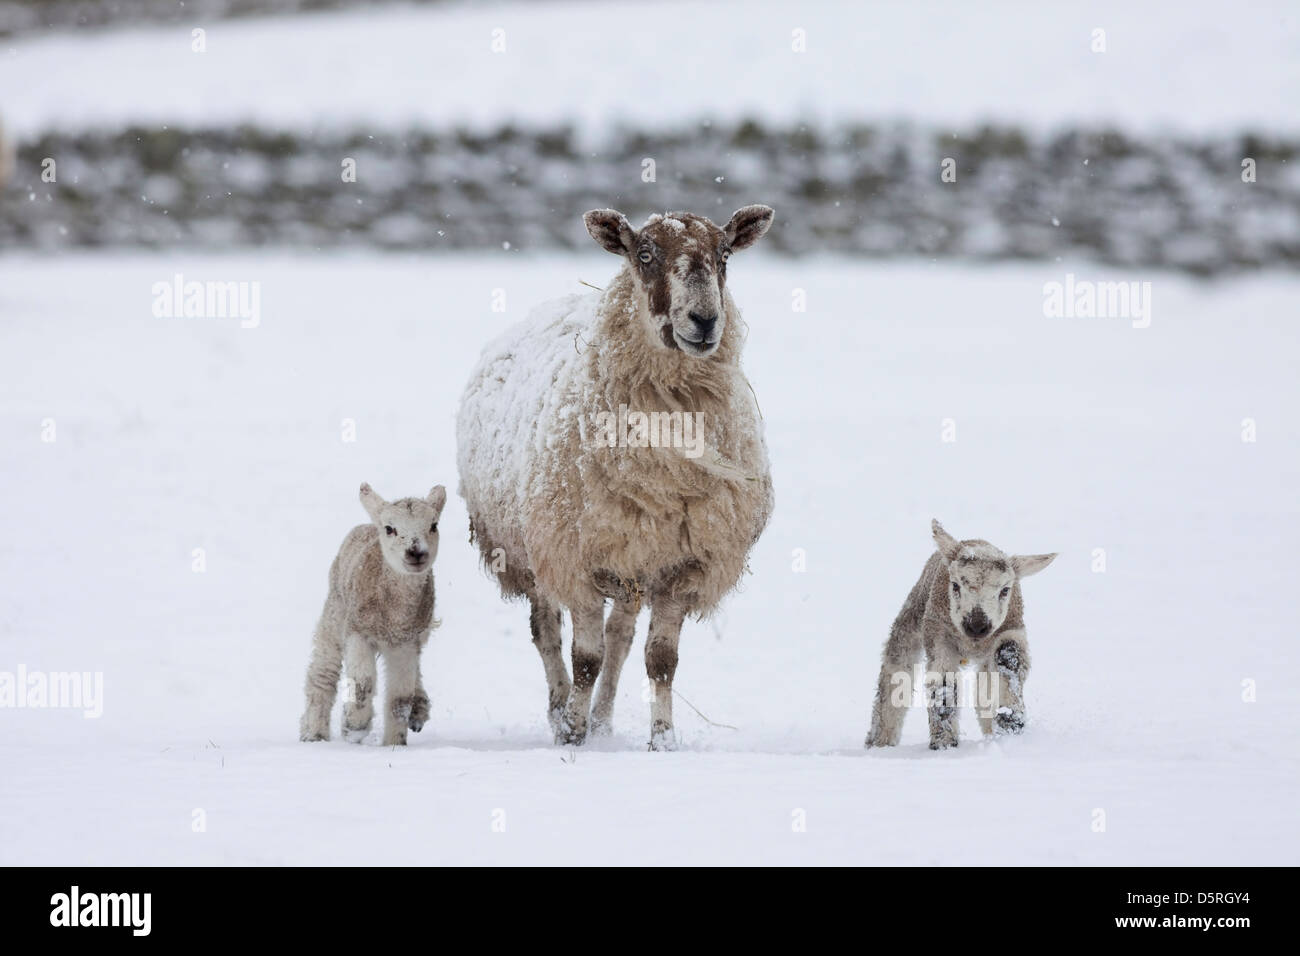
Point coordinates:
[[601, 727], [943, 743], [312, 736], [355, 735], [419, 713], [395, 741], [662, 738], [872, 742], [1009, 721]]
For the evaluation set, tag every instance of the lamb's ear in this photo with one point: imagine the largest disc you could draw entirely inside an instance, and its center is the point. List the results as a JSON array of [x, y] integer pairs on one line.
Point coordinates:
[[437, 498], [947, 544], [747, 226], [611, 230], [371, 501], [1027, 564]]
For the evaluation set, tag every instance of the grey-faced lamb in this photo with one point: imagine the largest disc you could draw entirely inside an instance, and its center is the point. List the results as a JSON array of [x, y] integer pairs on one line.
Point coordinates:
[[569, 507], [380, 604], [965, 609]]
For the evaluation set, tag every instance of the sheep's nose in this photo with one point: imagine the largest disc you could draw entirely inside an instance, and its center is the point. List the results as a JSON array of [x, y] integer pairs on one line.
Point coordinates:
[[416, 554], [704, 323], [977, 623]]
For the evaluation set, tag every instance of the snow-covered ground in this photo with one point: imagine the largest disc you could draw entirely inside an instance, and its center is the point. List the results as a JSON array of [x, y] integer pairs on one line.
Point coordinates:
[[1071, 435], [1196, 66]]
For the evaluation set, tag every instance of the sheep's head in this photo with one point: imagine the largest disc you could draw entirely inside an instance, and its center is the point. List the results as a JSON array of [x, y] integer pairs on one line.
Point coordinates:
[[679, 264], [983, 583], [408, 528]]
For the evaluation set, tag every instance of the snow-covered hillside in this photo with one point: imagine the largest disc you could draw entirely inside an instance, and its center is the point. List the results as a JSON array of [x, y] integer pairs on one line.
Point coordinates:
[[171, 435], [1198, 66]]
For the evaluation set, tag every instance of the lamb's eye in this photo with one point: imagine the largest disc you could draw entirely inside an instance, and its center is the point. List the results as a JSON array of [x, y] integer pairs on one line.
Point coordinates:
[[390, 530], [645, 255], [433, 528], [1005, 592], [956, 588]]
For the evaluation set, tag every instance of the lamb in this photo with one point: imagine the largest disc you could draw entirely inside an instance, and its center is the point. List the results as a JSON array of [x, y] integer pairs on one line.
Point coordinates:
[[380, 603], [966, 608], [610, 447]]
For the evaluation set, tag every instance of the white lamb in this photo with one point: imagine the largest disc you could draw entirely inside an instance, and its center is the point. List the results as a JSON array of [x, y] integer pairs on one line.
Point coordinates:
[[966, 608], [380, 603], [611, 448]]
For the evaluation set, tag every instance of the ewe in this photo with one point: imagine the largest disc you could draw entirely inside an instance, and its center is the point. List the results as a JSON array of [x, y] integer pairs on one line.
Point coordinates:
[[380, 603], [610, 447], [966, 608]]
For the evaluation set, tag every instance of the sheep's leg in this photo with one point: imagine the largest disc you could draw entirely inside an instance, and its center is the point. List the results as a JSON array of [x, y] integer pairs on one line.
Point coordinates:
[[941, 698], [401, 681], [620, 627], [420, 702], [544, 622], [661, 664], [588, 654], [894, 688], [323, 674], [359, 688], [1011, 660]]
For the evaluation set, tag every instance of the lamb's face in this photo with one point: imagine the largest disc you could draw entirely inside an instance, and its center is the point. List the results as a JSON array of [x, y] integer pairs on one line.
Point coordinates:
[[980, 585], [983, 582], [408, 528], [679, 264]]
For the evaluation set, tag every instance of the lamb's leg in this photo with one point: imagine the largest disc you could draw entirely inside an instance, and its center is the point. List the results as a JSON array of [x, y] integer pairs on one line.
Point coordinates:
[[941, 700], [620, 627], [1011, 660], [661, 664], [588, 654], [419, 703], [359, 688], [323, 674], [401, 681], [544, 622], [894, 687]]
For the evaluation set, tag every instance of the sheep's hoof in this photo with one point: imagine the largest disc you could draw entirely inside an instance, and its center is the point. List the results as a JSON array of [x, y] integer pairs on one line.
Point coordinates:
[[943, 743], [662, 738], [419, 713], [312, 736], [1010, 721], [601, 726], [570, 738], [355, 735]]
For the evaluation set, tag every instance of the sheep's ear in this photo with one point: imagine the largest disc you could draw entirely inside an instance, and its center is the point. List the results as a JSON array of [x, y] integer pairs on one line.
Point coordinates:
[[437, 498], [371, 501], [611, 230], [1027, 564], [747, 226], [948, 545]]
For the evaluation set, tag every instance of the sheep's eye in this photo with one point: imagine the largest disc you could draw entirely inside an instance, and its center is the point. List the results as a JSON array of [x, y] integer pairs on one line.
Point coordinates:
[[390, 529], [433, 528], [956, 588], [724, 254], [645, 255], [1005, 592]]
